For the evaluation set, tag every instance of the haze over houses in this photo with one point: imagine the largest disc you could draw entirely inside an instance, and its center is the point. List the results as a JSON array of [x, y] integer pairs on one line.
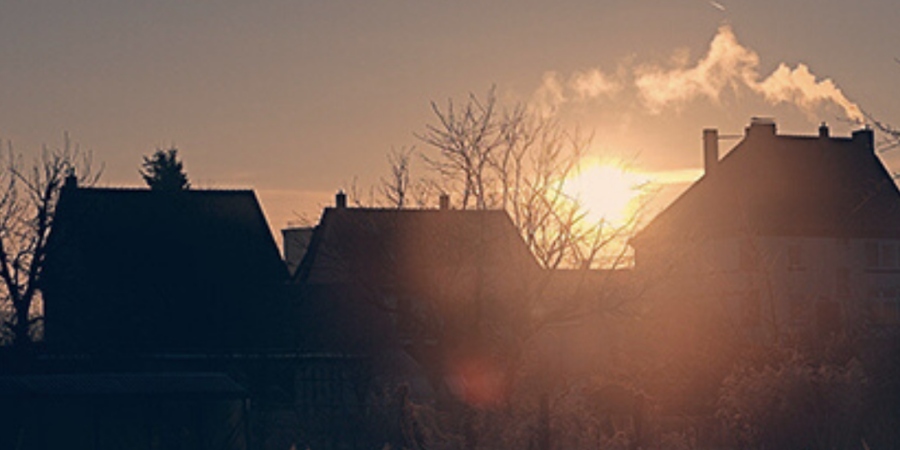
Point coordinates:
[[157, 301]]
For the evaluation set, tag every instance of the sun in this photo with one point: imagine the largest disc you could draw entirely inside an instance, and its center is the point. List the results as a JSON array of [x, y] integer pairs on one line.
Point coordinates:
[[608, 190]]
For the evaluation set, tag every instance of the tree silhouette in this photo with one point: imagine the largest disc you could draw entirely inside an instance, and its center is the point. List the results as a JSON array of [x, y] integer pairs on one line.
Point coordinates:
[[164, 172], [28, 197]]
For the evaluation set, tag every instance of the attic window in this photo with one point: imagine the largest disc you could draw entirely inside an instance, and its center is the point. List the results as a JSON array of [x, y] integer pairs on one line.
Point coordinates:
[[795, 256]]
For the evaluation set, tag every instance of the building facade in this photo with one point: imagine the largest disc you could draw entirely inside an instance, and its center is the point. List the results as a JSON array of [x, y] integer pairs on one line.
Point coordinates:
[[785, 235]]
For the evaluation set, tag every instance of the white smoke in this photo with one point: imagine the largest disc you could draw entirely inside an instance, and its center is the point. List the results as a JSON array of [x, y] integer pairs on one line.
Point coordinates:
[[799, 87], [726, 67], [592, 84], [582, 86], [551, 94]]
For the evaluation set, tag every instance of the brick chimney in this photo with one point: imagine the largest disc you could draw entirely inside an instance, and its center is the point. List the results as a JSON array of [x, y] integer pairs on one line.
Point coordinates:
[[444, 202], [823, 130], [340, 200], [710, 150], [70, 181], [761, 126], [865, 138]]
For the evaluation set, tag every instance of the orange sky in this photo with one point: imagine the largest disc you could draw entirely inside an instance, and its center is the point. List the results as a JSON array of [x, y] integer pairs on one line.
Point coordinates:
[[297, 98]]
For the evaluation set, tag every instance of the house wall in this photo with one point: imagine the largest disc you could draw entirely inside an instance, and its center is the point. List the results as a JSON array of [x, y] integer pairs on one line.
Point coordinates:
[[785, 284]]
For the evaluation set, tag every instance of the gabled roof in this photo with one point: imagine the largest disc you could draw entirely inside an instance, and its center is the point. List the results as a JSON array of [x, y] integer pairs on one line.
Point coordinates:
[[380, 245], [771, 185], [209, 233]]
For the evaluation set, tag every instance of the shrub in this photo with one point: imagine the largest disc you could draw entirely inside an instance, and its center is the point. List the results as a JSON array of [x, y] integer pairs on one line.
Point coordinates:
[[793, 402]]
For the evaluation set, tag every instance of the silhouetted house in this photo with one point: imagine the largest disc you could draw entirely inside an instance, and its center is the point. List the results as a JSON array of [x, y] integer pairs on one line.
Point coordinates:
[[139, 271], [785, 233], [123, 411], [399, 282]]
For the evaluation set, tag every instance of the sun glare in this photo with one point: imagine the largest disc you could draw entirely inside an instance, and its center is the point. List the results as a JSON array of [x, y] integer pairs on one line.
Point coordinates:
[[608, 190]]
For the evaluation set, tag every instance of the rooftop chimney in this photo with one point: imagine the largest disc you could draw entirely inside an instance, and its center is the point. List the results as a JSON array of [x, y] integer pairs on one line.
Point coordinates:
[[444, 202], [340, 200], [761, 126], [823, 130], [71, 181], [865, 137], [710, 149]]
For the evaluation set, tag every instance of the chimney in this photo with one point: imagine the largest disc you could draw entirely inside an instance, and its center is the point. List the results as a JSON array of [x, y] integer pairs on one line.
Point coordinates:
[[710, 149], [71, 181], [444, 202], [340, 200], [761, 126], [823, 130], [865, 138]]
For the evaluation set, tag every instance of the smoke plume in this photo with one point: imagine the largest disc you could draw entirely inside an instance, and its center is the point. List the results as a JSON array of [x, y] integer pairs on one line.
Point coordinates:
[[727, 67]]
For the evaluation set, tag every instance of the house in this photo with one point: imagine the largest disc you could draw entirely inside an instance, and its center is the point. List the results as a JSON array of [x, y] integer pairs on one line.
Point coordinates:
[[415, 288], [141, 284], [785, 233], [136, 271]]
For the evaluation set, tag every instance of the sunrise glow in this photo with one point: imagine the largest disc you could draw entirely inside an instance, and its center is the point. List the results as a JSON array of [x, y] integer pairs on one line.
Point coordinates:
[[608, 190]]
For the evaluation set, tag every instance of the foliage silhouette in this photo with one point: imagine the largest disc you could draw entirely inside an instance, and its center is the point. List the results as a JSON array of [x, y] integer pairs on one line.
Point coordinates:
[[164, 172]]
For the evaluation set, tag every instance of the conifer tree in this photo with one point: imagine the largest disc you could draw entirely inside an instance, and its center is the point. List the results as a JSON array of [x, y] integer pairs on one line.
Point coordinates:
[[163, 171]]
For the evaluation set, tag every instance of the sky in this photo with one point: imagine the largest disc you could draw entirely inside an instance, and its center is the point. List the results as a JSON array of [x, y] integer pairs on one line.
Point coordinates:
[[297, 99]]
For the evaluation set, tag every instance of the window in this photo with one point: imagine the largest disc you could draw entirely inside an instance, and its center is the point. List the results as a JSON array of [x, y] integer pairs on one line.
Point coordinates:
[[798, 309], [748, 257], [882, 255], [871, 255], [795, 256], [884, 312], [888, 256], [842, 282], [829, 317], [751, 308]]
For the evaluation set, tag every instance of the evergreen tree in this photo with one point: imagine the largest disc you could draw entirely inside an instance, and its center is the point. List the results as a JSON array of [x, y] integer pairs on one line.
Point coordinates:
[[164, 172]]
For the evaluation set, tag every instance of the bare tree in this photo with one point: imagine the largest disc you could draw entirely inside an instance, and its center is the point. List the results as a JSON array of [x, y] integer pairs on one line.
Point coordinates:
[[27, 206], [396, 188], [518, 160]]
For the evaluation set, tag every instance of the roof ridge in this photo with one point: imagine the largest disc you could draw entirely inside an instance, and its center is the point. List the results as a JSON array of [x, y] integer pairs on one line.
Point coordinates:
[[148, 190]]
